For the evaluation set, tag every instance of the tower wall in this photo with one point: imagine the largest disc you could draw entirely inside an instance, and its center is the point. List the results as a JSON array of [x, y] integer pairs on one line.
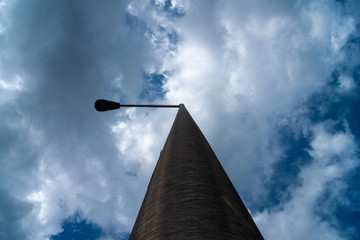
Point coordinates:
[[189, 195]]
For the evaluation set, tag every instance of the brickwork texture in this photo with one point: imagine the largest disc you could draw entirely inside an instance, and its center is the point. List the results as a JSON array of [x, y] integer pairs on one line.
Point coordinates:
[[189, 195]]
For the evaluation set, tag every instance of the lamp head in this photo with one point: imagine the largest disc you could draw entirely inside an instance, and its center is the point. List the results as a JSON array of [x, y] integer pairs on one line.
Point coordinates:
[[103, 105]]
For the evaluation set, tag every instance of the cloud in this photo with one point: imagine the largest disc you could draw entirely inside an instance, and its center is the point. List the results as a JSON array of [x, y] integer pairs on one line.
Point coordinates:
[[346, 84], [245, 70], [257, 66], [57, 60], [303, 216], [10, 220]]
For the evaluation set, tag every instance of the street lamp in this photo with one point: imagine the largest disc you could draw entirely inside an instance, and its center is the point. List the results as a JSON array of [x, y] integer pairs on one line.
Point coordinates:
[[103, 105]]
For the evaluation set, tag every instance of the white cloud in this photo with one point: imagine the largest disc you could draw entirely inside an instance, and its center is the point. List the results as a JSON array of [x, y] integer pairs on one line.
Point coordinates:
[[334, 157], [346, 84], [246, 68]]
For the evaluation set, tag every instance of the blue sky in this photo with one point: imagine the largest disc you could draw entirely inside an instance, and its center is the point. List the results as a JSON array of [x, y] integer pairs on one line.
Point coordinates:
[[273, 85]]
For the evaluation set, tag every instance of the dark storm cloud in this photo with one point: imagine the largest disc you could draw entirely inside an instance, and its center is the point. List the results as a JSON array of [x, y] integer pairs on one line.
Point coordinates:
[[11, 212], [63, 55]]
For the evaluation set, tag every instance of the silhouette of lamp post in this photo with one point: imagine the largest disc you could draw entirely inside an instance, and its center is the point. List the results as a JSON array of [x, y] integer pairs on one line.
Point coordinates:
[[189, 195], [103, 105]]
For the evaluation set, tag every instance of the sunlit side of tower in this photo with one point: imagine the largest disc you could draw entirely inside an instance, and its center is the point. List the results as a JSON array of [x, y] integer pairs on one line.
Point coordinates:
[[189, 195]]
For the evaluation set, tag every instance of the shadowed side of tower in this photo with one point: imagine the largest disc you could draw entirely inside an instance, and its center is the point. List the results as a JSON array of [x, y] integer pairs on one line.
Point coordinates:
[[189, 195]]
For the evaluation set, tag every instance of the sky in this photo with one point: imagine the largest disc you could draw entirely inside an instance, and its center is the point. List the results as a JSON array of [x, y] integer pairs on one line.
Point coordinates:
[[273, 85]]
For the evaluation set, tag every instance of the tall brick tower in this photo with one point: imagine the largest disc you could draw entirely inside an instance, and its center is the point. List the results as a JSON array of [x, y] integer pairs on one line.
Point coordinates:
[[189, 195]]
